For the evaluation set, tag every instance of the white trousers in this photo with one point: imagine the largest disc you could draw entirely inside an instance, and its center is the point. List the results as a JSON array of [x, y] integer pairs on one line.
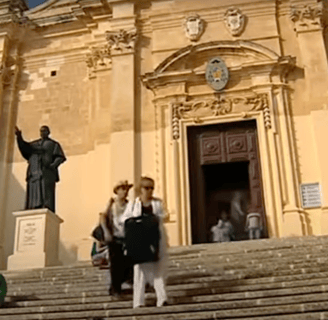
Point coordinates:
[[148, 272]]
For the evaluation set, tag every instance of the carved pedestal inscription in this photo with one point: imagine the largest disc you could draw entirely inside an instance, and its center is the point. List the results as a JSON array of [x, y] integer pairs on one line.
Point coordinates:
[[30, 234]]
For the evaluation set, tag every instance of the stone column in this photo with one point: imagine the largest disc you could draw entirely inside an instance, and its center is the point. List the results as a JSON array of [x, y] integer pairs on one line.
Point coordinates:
[[10, 70], [294, 220], [36, 240], [121, 39]]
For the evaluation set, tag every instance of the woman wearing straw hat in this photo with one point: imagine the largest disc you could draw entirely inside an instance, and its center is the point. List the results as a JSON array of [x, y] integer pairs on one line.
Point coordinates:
[[114, 236]]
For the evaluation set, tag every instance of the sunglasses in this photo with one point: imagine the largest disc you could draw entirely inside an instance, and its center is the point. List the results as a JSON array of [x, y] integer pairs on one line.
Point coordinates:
[[148, 188]]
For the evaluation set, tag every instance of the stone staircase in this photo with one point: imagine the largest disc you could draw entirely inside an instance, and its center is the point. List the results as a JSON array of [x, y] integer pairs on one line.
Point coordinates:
[[271, 279]]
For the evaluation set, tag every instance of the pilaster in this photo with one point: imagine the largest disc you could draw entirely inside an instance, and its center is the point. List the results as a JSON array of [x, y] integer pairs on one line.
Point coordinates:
[[309, 21], [121, 39], [11, 34]]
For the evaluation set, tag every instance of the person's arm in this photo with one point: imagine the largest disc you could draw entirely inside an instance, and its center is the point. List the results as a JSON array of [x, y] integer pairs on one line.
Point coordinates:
[[128, 212], [103, 223], [104, 218], [220, 224]]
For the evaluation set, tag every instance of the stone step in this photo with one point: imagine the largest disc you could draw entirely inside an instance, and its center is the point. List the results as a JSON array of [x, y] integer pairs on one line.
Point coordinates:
[[191, 260], [93, 274], [181, 307], [192, 288], [174, 297], [263, 279], [213, 310], [227, 274], [177, 277]]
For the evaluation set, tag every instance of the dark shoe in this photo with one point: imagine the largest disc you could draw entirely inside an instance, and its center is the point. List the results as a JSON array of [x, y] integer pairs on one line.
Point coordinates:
[[165, 304]]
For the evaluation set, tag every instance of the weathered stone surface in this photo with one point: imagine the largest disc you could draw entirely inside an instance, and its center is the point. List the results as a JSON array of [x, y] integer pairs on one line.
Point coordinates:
[[239, 292]]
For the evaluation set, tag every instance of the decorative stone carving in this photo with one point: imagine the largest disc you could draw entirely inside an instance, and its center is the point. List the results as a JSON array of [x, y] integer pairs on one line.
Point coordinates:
[[235, 21], [218, 107], [17, 6], [98, 58], [306, 16], [211, 147], [121, 40], [7, 70], [194, 27], [237, 144]]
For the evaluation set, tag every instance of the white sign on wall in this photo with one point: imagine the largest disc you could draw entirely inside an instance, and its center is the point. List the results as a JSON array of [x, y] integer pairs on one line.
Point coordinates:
[[311, 195]]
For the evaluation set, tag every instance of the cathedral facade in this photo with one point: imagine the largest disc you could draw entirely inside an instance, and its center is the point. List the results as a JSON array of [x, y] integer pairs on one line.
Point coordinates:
[[222, 102]]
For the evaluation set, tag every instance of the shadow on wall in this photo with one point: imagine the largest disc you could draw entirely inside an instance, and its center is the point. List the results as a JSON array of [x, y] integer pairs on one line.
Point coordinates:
[[15, 201], [68, 254]]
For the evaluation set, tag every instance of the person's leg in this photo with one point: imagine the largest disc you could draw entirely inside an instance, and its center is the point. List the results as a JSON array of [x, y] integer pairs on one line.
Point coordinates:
[[251, 234], [159, 287], [139, 283], [257, 233], [115, 268]]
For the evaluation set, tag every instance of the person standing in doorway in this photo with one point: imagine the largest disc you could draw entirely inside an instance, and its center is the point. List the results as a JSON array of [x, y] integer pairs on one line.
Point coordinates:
[[254, 225], [152, 273], [223, 231], [113, 229]]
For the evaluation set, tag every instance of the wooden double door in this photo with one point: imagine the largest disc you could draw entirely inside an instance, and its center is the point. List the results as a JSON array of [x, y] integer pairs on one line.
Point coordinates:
[[224, 175]]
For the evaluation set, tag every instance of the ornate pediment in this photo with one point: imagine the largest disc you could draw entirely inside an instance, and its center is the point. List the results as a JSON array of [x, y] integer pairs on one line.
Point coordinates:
[[242, 58]]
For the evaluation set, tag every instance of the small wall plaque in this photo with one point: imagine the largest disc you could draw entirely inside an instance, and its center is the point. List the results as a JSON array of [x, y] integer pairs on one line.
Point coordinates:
[[311, 195]]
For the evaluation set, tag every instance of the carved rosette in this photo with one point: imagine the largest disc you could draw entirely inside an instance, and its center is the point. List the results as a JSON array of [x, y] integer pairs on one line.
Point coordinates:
[[235, 21], [307, 17], [122, 40], [98, 58], [195, 110], [194, 27]]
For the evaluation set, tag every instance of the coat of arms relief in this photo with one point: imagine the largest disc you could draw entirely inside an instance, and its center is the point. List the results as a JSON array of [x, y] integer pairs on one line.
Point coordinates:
[[235, 21], [194, 27]]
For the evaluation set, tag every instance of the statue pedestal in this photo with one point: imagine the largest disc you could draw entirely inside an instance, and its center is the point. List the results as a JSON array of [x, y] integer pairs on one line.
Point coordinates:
[[36, 240]]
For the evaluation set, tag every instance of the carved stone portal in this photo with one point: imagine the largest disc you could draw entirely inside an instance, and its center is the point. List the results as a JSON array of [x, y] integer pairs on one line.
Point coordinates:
[[219, 106], [235, 21], [194, 27]]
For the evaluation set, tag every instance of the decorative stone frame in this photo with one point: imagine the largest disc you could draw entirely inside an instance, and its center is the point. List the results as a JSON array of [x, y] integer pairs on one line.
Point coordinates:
[[265, 100]]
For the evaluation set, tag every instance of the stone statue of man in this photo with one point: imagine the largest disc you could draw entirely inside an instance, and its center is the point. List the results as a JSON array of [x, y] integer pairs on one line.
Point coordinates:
[[44, 157]]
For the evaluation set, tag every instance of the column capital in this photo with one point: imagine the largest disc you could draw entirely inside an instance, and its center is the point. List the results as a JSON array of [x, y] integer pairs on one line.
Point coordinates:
[[121, 41], [308, 18]]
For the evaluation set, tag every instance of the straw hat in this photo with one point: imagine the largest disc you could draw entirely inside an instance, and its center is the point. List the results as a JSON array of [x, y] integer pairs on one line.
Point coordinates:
[[122, 183]]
